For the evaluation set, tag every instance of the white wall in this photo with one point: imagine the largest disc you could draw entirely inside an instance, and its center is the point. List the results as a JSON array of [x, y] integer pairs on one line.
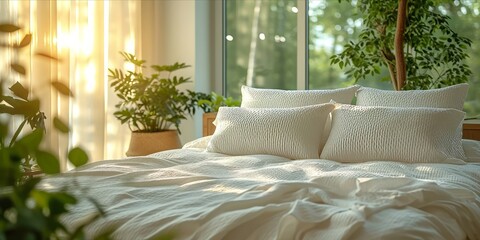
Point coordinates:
[[185, 31], [170, 38]]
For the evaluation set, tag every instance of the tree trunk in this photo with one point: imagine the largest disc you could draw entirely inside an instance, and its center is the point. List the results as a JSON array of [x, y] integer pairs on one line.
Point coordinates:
[[253, 43], [399, 37], [387, 54]]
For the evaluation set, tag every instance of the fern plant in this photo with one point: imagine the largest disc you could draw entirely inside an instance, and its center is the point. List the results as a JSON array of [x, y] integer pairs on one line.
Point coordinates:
[[151, 103]]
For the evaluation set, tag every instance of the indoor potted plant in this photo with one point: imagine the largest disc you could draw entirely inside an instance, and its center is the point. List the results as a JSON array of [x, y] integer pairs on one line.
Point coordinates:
[[210, 103], [152, 106]]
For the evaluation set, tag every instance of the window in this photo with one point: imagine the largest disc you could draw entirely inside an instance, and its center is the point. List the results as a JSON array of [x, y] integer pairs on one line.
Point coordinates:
[[266, 44], [260, 44]]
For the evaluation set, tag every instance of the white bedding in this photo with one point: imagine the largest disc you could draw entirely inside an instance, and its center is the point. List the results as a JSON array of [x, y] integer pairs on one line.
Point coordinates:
[[200, 195]]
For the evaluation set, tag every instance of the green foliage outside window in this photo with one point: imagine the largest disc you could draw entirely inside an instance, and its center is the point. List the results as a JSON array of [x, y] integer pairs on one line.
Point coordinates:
[[342, 22], [331, 26], [435, 54]]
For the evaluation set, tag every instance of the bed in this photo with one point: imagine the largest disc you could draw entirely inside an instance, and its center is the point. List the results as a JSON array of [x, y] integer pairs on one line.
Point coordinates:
[[327, 171]]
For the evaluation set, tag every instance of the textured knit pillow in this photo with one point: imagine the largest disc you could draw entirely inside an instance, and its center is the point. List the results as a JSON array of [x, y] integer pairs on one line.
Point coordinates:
[[275, 98], [198, 143], [293, 133], [361, 134], [448, 97], [472, 150]]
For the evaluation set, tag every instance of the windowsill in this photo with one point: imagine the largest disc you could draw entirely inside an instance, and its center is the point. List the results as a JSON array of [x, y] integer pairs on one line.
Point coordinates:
[[472, 124]]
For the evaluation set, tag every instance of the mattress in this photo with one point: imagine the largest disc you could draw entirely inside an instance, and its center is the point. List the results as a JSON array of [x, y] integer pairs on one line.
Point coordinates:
[[194, 194]]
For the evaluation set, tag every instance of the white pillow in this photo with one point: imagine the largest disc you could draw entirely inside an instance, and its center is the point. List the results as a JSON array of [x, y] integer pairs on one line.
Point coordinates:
[[472, 150], [448, 97], [361, 134], [198, 143], [293, 133], [276, 98]]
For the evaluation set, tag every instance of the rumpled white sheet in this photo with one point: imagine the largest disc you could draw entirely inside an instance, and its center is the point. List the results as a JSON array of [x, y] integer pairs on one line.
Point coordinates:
[[200, 195]]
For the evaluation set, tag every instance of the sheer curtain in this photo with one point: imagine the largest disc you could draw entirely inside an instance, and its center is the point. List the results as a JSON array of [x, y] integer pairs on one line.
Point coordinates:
[[87, 37]]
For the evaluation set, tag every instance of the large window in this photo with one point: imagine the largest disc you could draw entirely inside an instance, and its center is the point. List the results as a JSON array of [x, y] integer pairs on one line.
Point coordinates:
[[268, 43], [260, 44]]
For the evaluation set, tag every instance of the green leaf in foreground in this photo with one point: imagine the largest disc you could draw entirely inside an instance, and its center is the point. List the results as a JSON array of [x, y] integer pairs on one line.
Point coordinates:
[[77, 156], [62, 88], [19, 91], [18, 68], [47, 162], [60, 125], [25, 41], [48, 56], [8, 28], [31, 141]]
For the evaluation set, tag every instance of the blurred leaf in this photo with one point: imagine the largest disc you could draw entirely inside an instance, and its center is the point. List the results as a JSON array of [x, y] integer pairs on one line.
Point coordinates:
[[40, 197], [19, 91], [56, 205], [7, 109], [60, 125], [38, 121], [77, 156], [25, 41], [48, 162], [62, 88], [31, 141], [18, 68], [22, 107], [32, 220], [8, 28], [46, 55], [19, 129]]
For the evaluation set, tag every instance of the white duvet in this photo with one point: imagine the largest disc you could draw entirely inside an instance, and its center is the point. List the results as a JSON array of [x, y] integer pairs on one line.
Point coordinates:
[[200, 195]]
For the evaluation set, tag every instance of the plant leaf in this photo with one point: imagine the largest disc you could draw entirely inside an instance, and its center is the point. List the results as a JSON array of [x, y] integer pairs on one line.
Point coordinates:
[[19, 91], [8, 28], [48, 162], [60, 125], [46, 55], [25, 41], [77, 156], [20, 106], [7, 109], [31, 141], [62, 88], [18, 68]]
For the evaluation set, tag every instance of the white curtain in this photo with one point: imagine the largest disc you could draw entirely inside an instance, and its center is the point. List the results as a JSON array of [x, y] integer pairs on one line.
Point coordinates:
[[87, 36]]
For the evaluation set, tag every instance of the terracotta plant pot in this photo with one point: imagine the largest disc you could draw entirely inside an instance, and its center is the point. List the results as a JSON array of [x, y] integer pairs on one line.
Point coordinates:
[[144, 143], [208, 127]]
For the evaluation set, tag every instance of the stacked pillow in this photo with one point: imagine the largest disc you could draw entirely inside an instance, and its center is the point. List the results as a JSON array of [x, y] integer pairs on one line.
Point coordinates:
[[428, 135], [293, 133], [275, 98], [407, 126], [448, 97], [267, 115]]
